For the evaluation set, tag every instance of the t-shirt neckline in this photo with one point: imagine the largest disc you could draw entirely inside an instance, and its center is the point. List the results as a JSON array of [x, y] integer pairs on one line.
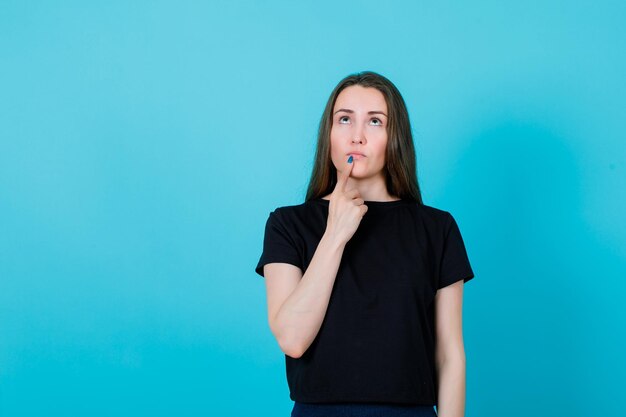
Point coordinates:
[[369, 204]]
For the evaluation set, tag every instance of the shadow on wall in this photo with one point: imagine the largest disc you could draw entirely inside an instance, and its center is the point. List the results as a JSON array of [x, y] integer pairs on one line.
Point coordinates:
[[546, 314]]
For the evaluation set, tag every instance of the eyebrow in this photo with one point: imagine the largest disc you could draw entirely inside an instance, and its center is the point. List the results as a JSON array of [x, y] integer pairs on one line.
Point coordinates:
[[369, 112]]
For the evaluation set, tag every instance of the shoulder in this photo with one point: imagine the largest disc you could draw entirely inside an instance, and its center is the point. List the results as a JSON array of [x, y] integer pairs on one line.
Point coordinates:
[[292, 210], [435, 216], [438, 222], [295, 213], [433, 212]]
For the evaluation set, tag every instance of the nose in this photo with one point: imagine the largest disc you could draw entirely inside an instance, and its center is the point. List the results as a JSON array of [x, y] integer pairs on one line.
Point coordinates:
[[358, 136]]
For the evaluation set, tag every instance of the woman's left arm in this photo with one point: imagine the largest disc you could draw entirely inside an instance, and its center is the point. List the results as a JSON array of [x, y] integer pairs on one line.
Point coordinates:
[[449, 350]]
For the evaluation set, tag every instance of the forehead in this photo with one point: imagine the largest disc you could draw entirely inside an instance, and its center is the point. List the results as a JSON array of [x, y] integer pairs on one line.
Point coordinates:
[[357, 97]]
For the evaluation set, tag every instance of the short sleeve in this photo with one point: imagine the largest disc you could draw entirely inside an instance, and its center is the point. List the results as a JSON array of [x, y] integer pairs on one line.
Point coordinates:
[[455, 265], [278, 244]]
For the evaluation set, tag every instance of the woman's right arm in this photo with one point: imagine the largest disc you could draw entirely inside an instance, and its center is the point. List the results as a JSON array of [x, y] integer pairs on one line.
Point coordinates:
[[297, 303]]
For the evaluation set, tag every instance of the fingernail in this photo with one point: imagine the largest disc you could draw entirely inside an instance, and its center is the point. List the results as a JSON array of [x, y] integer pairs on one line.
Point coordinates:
[[350, 159]]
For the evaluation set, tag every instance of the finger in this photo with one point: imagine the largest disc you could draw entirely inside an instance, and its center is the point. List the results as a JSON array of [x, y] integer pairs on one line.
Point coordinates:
[[353, 193], [343, 176]]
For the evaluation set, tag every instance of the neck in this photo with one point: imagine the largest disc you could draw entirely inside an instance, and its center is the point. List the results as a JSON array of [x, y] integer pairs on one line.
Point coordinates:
[[370, 189]]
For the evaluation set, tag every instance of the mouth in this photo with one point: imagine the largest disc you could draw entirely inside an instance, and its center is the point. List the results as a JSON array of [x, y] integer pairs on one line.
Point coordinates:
[[356, 156]]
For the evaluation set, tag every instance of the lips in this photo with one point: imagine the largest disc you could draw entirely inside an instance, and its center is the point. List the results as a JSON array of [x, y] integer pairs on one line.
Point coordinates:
[[356, 155]]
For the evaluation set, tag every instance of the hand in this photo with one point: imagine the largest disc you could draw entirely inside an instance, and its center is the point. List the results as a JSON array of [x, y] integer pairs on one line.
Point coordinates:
[[345, 209]]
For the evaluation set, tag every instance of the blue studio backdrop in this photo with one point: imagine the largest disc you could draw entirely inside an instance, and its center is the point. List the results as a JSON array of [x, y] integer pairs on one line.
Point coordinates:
[[143, 145]]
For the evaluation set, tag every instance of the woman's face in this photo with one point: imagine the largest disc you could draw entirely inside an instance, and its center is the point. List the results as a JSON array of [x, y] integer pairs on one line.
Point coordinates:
[[359, 128]]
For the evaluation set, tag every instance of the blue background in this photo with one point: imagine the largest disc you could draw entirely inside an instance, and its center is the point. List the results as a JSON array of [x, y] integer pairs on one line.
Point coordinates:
[[143, 145]]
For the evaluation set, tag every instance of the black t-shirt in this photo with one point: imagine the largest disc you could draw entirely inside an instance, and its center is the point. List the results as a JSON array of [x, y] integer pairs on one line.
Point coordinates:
[[377, 341]]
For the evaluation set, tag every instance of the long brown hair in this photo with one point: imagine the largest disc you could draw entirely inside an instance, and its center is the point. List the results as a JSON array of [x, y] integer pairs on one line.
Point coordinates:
[[400, 166]]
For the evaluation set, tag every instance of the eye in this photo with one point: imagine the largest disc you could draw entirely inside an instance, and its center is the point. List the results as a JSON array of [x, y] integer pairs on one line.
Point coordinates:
[[378, 122], [344, 119]]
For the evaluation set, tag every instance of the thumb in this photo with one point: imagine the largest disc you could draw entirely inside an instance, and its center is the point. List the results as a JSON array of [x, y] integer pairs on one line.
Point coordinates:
[[343, 176]]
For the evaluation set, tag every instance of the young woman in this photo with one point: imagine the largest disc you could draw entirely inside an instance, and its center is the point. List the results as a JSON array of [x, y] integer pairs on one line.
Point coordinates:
[[364, 281]]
